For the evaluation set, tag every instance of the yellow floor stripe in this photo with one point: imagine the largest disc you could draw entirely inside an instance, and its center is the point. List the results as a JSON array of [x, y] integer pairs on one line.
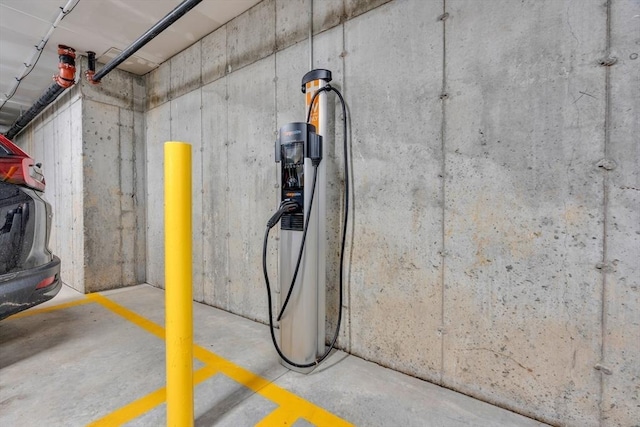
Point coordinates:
[[280, 416], [132, 410], [134, 318], [305, 409], [34, 311], [288, 402], [143, 405], [291, 406]]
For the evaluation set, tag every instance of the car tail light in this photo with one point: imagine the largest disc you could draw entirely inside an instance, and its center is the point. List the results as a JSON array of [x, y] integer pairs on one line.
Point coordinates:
[[18, 171], [46, 282], [16, 167]]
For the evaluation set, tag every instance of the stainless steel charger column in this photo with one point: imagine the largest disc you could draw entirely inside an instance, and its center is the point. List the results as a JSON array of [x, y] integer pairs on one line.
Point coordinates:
[[302, 326]]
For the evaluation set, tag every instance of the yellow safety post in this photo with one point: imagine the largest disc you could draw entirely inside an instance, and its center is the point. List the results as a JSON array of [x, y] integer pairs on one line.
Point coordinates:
[[178, 303]]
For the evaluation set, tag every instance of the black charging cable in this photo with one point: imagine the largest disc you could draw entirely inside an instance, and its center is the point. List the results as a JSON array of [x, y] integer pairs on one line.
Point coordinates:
[[285, 206], [315, 163], [270, 225], [276, 218]]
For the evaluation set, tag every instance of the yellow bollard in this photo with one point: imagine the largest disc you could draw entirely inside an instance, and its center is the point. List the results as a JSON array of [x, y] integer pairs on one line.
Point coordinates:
[[178, 294]]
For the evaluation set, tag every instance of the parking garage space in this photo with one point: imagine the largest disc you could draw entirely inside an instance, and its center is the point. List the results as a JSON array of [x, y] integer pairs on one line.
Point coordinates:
[[441, 196], [111, 372]]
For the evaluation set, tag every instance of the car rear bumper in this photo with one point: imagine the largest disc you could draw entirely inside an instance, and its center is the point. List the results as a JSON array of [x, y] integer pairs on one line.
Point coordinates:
[[24, 289]]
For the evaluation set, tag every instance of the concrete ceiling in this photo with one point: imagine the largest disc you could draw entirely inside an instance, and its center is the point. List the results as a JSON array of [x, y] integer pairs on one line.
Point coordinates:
[[105, 27]]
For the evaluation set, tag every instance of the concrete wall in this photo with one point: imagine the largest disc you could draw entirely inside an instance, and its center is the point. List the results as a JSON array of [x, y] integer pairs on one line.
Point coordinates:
[[114, 191], [494, 242], [55, 140], [523, 218], [91, 145]]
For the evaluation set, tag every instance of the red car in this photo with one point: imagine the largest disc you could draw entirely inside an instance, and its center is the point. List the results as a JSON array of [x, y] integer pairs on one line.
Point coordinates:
[[29, 272]]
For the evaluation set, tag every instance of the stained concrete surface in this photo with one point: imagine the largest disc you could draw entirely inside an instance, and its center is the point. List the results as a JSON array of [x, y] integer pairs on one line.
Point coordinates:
[[71, 366], [504, 132], [90, 145], [523, 205]]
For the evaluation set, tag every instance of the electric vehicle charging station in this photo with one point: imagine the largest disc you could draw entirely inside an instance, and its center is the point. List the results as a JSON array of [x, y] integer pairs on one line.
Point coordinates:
[[302, 324], [302, 217]]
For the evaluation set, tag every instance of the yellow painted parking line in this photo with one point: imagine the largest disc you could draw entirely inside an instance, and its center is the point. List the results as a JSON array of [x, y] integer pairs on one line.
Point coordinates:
[[280, 416], [288, 402], [290, 406], [132, 410], [34, 311], [293, 404], [143, 405], [134, 318]]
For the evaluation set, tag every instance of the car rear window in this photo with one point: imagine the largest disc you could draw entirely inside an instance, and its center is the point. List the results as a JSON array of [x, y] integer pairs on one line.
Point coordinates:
[[4, 152]]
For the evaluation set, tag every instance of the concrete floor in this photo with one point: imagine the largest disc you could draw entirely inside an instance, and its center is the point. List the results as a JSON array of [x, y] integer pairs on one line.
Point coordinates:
[[99, 360]]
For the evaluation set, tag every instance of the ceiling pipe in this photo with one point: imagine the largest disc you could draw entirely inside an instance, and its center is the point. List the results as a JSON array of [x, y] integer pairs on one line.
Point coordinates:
[[163, 24], [91, 68], [66, 67], [64, 80]]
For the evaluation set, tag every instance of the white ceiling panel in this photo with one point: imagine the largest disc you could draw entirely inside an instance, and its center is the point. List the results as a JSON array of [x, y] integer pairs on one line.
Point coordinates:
[[45, 10], [19, 24]]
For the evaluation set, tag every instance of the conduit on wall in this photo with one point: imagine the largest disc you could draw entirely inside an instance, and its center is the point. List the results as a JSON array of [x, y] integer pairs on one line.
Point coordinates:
[[64, 80]]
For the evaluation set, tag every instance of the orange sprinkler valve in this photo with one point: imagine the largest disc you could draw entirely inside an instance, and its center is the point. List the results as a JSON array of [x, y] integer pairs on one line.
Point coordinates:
[[89, 76], [66, 67]]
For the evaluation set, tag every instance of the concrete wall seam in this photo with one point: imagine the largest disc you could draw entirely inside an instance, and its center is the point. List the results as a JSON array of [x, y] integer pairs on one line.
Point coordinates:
[[443, 189]]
